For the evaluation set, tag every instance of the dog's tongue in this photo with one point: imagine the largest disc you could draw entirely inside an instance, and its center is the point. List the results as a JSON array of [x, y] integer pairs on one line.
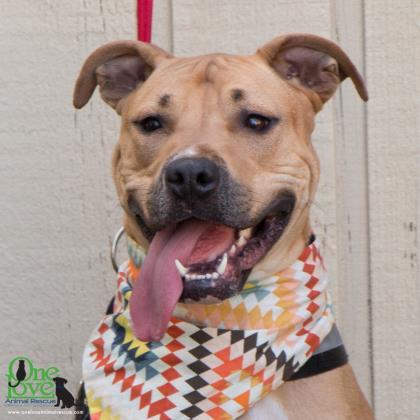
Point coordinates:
[[159, 287]]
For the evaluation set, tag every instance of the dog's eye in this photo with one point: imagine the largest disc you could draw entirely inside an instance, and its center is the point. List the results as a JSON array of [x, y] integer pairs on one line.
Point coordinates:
[[150, 124], [257, 122]]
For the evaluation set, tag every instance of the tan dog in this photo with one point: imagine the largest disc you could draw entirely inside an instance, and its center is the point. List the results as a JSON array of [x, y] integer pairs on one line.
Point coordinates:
[[220, 144]]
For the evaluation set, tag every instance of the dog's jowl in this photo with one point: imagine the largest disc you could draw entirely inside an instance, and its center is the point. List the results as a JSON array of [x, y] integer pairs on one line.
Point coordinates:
[[222, 309]]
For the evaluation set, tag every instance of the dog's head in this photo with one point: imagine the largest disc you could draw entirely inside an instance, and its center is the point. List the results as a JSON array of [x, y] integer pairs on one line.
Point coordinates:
[[59, 381], [214, 166]]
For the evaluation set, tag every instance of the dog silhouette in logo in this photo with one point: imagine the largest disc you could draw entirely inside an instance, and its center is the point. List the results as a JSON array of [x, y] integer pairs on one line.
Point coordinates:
[[20, 374], [63, 395]]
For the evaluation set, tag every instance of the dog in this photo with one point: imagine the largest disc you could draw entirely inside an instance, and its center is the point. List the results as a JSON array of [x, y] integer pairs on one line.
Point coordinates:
[[216, 172], [63, 395]]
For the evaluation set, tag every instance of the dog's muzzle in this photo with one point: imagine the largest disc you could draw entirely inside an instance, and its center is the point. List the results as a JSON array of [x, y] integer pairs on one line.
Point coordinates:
[[203, 214]]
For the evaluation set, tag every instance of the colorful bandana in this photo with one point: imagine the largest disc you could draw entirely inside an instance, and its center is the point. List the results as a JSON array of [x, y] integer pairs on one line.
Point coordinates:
[[215, 361]]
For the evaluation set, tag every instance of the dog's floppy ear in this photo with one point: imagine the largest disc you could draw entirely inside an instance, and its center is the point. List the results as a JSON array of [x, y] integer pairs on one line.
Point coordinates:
[[118, 68], [312, 63]]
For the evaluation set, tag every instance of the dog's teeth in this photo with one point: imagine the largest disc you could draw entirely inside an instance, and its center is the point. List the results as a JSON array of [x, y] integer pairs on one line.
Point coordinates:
[[208, 276], [215, 275], [246, 233], [241, 241], [182, 270], [232, 250], [223, 264]]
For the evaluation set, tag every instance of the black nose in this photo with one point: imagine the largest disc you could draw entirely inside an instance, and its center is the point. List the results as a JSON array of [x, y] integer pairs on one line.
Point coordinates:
[[192, 178]]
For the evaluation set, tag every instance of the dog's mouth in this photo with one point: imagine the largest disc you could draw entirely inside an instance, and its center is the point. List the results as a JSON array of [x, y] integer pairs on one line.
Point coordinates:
[[223, 257], [200, 261]]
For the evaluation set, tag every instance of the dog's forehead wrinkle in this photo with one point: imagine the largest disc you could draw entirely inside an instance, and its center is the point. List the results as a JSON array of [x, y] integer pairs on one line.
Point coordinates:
[[196, 66], [209, 68], [211, 71]]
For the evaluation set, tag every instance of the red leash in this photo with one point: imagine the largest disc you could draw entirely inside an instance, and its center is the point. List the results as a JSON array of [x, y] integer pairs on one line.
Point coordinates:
[[144, 20]]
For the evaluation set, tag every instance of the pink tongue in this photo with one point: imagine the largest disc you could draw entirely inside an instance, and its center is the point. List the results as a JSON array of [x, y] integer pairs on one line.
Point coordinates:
[[159, 287]]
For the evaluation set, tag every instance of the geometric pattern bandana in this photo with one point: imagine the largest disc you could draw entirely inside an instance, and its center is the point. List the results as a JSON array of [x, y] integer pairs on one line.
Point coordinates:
[[214, 361]]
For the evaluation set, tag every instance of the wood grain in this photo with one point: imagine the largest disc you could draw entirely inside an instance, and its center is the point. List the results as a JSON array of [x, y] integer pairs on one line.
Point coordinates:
[[392, 68], [354, 289]]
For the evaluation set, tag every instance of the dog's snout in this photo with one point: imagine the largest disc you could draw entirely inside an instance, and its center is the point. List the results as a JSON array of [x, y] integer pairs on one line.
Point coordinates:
[[192, 178]]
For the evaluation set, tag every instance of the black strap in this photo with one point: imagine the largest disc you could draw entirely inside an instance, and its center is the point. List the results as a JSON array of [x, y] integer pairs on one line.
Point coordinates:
[[322, 362]]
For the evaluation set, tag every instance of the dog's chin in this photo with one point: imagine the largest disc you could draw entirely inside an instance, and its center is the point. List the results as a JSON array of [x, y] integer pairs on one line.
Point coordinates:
[[224, 256]]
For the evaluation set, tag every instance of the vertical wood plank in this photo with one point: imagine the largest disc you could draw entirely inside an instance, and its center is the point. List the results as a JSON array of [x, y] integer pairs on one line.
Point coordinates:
[[352, 204], [162, 24], [392, 64]]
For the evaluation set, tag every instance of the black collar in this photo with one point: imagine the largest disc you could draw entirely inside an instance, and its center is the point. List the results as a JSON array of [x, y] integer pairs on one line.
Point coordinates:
[[330, 354]]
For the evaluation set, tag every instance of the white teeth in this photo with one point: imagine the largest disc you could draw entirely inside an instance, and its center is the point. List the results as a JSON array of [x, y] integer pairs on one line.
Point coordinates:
[[208, 276], [182, 270], [232, 250], [189, 277], [241, 241], [223, 264], [246, 233]]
